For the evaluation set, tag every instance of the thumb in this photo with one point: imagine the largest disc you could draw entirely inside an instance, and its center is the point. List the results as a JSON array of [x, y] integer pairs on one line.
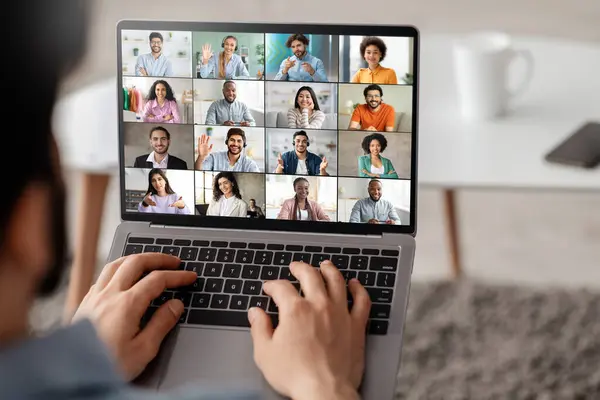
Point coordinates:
[[161, 323], [261, 326]]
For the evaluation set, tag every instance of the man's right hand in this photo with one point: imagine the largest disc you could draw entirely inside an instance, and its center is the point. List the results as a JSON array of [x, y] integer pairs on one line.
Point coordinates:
[[373, 221], [280, 164], [203, 148], [148, 199], [317, 350], [288, 64]]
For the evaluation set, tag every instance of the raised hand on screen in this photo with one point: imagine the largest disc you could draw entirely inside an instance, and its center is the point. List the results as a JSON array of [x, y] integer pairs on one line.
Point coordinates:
[[288, 64], [324, 164], [206, 53], [203, 148], [280, 165]]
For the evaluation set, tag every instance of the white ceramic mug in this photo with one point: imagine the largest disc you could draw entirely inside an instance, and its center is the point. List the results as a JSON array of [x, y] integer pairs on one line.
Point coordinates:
[[481, 62]]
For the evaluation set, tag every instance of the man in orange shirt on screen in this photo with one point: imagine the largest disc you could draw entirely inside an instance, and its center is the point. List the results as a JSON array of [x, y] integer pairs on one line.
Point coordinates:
[[374, 115]]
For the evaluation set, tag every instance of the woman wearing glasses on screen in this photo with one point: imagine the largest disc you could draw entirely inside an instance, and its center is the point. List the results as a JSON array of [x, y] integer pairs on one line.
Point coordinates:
[[161, 106], [300, 207], [373, 51], [373, 164], [160, 198], [306, 112], [227, 200]]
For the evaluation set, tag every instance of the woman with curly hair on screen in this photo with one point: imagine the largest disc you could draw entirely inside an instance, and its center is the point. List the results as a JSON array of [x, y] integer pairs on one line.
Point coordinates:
[[227, 199], [373, 164], [161, 106], [373, 51]]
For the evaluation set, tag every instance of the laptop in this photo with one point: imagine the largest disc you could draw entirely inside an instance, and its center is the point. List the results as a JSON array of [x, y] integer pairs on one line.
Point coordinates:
[[246, 146]]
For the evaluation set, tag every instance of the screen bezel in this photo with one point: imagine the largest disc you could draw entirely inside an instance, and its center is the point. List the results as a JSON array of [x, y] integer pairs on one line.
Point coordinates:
[[273, 224]]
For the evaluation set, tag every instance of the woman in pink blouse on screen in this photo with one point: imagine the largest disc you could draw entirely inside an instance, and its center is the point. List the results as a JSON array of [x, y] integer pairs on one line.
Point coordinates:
[[300, 207], [161, 106]]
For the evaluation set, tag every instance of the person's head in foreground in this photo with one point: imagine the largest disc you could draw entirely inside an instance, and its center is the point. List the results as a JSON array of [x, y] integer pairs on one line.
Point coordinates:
[[315, 352]]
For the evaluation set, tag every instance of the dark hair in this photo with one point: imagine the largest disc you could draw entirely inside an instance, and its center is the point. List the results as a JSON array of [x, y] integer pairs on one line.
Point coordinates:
[[366, 142], [156, 35], [300, 133], [300, 179], [159, 128], [229, 37], [373, 41], [56, 32], [236, 131], [312, 95], [217, 193], [373, 86], [296, 36], [160, 172], [228, 81], [374, 180], [152, 93]]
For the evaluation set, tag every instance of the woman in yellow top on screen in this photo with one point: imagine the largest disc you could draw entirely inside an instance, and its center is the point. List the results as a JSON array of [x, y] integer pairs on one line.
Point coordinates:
[[373, 51]]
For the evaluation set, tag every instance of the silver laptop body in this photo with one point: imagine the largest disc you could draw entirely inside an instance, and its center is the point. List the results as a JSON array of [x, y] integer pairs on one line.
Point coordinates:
[[211, 345]]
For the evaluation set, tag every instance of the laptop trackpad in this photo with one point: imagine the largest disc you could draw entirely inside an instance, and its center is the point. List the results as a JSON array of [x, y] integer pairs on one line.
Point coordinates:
[[210, 358]]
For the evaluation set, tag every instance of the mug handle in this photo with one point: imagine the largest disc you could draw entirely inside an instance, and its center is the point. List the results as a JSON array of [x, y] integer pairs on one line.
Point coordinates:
[[528, 57]]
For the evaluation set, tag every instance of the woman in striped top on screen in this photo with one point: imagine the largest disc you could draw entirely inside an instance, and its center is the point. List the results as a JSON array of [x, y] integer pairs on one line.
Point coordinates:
[[306, 112]]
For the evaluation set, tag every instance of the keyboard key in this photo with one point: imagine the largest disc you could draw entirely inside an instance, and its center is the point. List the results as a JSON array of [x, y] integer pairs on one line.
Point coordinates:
[[293, 247], [217, 317], [333, 250], [183, 316], [272, 246], [371, 252], [367, 278], [313, 249], [377, 327], [272, 306], [218, 243], [381, 311], [341, 262], [162, 299], [390, 253], [189, 253], [263, 257], [152, 249], [285, 273], [201, 300], [256, 246], [251, 272], [317, 259], [200, 243], [239, 302], [133, 249], [380, 295], [252, 287], [302, 257], [172, 250], [359, 262], [164, 241], [259, 301], [226, 255], [214, 285], [233, 286], [350, 250], [386, 279], [282, 258], [232, 271], [185, 297], [207, 254], [195, 267], [197, 286], [383, 264], [269, 273], [237, 245], [244, 256], [220, 301], [213, 269], [182, 242], [347, 274], [140, 240]]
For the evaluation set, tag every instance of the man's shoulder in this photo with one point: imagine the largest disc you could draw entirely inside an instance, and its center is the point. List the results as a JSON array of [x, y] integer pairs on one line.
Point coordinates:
[[143, 158], [313, 156], [387, 107]]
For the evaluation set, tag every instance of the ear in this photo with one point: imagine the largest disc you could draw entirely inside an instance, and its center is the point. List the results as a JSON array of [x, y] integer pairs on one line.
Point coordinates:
[[28, 242]]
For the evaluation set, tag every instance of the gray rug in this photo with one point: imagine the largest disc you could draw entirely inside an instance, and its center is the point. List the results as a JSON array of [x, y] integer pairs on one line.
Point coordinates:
[[468, 340]]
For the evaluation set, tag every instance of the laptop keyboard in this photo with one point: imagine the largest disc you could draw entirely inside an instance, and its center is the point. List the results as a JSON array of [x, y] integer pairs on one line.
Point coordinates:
[[231, 274]]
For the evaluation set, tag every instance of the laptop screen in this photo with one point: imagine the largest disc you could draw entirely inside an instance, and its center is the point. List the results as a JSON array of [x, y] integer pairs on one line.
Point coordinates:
[[290, 127]]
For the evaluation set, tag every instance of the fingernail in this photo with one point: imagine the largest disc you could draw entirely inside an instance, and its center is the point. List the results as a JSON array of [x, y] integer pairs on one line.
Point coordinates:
[[176, 307], [251, 314]]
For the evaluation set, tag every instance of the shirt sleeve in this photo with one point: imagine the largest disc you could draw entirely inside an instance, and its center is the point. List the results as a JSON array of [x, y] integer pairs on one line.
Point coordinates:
[[175, 111], [248, 116], [320, 75], [211, 115], [242, 70], [355, 214], [208, 163], [391, 118], [356, 77], [393, 215], [138, 65], [356, 115], [280, 75], [291, 116], [208, 68], [169, 68]]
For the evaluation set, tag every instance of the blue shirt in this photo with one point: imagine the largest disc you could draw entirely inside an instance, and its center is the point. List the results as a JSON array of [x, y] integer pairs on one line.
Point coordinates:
[[220, 162], [366, 209], [234, 69], [73, 364], [222, 110], [297, 73], [290, 163], [154, 67]]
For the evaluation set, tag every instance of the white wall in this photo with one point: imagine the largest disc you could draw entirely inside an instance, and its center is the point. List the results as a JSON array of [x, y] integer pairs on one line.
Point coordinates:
[[182, 182], [255, 139]]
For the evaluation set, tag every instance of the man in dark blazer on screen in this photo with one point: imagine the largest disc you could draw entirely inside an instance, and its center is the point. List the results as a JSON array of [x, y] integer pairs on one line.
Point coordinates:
[[160, 140]]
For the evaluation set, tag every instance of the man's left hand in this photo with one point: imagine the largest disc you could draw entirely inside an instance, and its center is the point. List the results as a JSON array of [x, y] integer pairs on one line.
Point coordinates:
[[117, 301]]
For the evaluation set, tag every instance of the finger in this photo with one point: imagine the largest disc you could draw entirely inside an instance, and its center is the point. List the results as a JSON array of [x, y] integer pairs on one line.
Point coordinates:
[[152, 286], [107, 272], [361, 306], [336, 285], [283, 293], [163, 320], [132, 268], [261, 329], [310, 280]]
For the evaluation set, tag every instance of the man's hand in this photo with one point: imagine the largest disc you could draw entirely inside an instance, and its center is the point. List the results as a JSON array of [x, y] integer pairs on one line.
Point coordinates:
[[373, 221], [308, 68], [323, 166], [244, 123], [280, 165], [371, 128], [229, 123], [390, 222], [143, 71], [288, 64], [203, 148], [117, 301], [317, 350]]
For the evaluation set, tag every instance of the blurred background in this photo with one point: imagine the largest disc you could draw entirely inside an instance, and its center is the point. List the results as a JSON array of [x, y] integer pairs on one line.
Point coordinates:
[[521, 321]]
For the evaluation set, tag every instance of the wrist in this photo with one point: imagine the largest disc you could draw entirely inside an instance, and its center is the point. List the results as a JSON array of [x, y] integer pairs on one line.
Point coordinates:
[[326, 387]]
